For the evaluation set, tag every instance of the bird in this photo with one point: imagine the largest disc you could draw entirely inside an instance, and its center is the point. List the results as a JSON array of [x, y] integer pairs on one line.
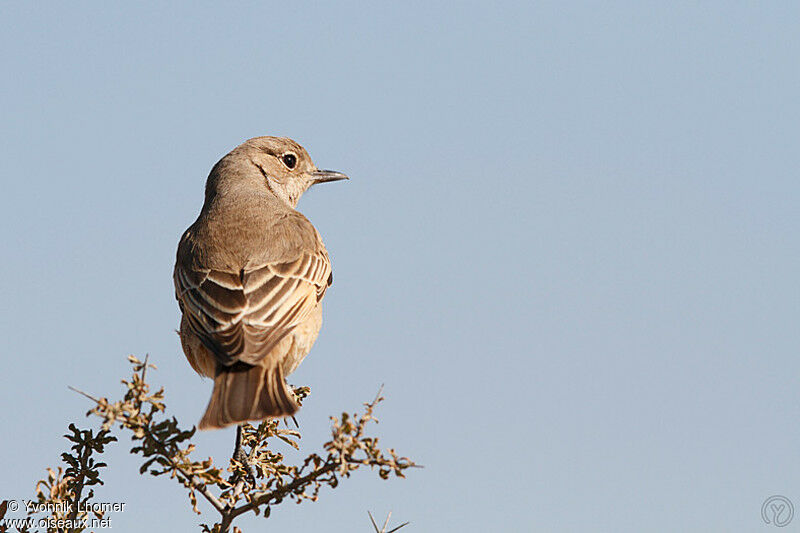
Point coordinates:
[[250, 275]]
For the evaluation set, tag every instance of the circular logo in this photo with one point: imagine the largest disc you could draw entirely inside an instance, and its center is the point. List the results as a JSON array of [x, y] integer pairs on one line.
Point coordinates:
[[777, 510]]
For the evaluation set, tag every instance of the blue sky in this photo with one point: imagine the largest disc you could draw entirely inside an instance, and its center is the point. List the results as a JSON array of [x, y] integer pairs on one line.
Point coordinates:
[[569, 247]]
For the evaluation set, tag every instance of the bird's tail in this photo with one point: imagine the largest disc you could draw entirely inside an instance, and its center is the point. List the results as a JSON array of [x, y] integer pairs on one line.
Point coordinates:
[[244, 392]]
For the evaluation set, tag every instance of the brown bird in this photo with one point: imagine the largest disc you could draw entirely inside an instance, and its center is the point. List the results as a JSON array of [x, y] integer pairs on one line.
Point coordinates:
[[250, 276]]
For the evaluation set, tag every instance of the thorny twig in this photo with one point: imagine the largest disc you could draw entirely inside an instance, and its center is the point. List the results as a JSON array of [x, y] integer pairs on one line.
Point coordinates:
[[167, 448]]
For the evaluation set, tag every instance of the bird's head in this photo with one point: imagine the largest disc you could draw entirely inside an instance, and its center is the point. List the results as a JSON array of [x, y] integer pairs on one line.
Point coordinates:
[[277, 163]]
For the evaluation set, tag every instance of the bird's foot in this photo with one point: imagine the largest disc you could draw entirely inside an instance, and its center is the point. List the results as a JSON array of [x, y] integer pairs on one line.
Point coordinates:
[[250, 477], [240, 456]]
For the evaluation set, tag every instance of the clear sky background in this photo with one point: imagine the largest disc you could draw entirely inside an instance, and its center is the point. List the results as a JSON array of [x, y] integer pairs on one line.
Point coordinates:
[[569, 248]]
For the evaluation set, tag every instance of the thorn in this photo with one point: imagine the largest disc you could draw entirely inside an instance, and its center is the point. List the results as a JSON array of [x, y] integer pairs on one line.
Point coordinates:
[[373, 523], [385, 524]]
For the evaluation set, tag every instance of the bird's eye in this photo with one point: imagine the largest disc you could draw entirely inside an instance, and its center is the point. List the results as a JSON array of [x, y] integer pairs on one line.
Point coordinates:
[[290, 160]]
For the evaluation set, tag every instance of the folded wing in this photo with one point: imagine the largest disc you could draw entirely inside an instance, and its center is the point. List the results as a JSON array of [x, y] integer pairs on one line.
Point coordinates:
[[241, 316]]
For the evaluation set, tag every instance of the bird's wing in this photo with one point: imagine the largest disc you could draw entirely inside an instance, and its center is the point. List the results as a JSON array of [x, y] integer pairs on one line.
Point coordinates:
[[242, 316]]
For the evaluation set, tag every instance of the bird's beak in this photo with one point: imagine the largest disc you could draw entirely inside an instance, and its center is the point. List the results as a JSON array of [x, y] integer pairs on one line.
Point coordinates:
[[321, 176]]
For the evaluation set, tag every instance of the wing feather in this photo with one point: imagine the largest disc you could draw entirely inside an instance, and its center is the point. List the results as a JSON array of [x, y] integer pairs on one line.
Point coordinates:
[[242, 316]]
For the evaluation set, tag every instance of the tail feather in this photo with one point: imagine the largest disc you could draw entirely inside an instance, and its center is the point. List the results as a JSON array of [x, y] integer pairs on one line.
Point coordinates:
[[244, 392]]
